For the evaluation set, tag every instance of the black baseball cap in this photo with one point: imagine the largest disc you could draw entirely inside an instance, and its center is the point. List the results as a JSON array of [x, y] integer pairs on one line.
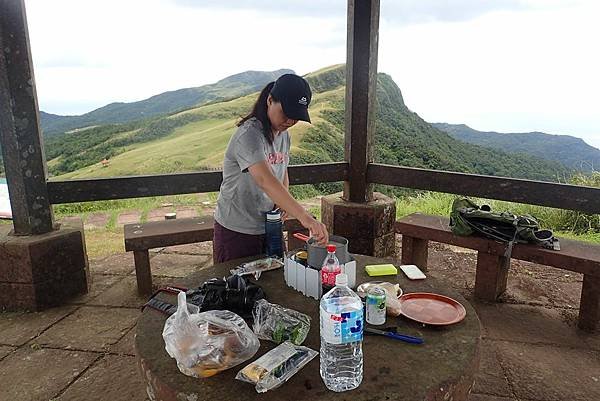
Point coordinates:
[[294, 94]]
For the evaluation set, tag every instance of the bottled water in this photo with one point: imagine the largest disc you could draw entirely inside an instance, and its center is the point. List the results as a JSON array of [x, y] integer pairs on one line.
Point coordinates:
[[341, 337], [274, 234]]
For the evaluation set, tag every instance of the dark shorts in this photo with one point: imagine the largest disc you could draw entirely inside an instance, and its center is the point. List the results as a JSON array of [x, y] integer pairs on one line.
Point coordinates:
[[228, 245]]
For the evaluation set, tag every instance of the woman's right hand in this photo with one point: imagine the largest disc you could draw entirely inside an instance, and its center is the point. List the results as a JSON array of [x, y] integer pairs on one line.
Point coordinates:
[[317, 230]]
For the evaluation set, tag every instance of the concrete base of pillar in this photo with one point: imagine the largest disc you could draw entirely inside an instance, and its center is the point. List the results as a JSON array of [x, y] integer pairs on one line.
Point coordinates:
[[369, 227], [41, 271]]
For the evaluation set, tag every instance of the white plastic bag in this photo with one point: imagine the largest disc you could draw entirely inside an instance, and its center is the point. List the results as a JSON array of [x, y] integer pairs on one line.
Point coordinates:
[[208, 342]]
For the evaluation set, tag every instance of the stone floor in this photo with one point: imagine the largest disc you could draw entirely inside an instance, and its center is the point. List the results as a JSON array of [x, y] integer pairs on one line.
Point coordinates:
[[84, 350]]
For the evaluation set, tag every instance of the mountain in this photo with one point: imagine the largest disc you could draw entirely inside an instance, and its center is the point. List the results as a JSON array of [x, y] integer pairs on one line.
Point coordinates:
[[168, 102], [403, 138], [195, 139], [572, 152]]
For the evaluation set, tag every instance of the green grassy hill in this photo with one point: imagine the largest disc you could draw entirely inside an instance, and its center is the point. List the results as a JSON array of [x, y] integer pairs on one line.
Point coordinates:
[[571, 151], [164, 103], [196, 139]]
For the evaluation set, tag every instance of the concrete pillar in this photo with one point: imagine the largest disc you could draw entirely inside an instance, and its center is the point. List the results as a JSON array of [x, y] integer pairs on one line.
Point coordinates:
[[369, 227], [41, 271], [41, 264]]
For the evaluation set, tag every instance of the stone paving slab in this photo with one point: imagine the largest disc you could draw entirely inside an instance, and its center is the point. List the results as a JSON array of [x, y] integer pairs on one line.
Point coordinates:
[[100, 282], [17, 328], [113, 378], [186, 212], [490, 378], [120, 263], [527, 324], [528, 283], [158, 214], [129, 217], [175, 265], [90, 328], [554, 287], [126, 345], [541, 372], [96, 220], [125, 294], [69, 219], [487, 397], [5, 350], [39, 375], [592, 340], [199, 248]]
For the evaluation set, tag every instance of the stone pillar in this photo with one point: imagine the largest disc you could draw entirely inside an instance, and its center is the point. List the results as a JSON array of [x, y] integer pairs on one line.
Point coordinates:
[[361, 90], [369, 227], [41, 271], [41, 264]]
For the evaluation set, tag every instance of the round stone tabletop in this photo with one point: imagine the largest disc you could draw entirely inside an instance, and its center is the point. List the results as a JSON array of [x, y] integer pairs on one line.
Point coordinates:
[[442, 368]]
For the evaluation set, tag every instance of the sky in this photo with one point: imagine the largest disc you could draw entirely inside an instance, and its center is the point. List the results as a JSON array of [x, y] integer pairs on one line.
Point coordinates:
[[495, 65]]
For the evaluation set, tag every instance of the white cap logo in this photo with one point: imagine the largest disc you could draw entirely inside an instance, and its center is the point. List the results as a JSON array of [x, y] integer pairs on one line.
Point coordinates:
[[302, 101]]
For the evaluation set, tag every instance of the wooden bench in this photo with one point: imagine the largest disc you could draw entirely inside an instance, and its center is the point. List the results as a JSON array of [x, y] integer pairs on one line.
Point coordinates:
[[492, 267], [142, 237]]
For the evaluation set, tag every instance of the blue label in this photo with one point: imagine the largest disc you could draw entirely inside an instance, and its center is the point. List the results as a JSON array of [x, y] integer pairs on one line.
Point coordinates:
[[352, 326], [342, 328]]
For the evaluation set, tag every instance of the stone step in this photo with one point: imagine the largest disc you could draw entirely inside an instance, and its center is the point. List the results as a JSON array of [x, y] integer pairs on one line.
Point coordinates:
[[129, 217], [96, 220]]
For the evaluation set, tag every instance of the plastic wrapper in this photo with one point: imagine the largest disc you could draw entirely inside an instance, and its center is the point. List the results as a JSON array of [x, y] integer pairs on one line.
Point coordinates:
[[392, 292], [256, 267], [392, 303], [276, 366], [208, 342], [278, 324]]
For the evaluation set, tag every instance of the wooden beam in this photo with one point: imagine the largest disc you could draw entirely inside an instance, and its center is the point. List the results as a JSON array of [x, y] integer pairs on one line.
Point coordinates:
[[563, 196], [172, 184], [361, 82], [22, 147]]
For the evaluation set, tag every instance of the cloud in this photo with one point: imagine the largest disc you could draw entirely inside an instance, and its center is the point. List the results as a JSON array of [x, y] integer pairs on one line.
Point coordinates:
[[502, 65], [298, 8], [402, 12]]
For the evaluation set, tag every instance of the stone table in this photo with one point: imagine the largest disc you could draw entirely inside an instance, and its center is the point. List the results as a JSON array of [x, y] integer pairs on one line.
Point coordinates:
[[443, 368]]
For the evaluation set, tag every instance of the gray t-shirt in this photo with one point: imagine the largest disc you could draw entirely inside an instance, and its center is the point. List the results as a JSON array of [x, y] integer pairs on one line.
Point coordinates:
[[242, 205]]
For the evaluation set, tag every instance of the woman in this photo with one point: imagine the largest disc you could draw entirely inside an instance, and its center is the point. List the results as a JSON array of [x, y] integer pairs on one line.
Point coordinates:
[[255, 177]]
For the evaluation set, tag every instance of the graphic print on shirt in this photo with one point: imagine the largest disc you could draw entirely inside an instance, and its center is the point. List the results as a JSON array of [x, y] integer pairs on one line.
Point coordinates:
[[278, 158]]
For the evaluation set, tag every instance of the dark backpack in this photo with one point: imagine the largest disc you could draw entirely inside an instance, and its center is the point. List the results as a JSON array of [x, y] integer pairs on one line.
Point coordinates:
[[467, 218]]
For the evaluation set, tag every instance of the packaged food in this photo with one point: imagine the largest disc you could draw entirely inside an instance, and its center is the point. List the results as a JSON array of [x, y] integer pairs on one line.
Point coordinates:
[[276, 366], [256, 267], [206, 343], [278, 324]]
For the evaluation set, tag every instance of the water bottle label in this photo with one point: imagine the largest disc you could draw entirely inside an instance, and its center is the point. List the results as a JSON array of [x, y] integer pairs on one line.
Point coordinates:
[[342, 328]]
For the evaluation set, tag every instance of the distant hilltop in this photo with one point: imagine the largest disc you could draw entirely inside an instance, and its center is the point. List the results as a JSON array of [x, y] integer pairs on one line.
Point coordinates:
[[195, 138], [572, 152], [168, 102]]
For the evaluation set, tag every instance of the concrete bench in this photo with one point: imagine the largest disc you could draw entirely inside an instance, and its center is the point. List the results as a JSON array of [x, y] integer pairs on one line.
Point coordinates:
[[142, 237], [492, 267]]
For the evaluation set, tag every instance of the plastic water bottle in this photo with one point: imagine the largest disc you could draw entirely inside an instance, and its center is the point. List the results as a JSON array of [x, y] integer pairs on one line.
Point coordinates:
[[341, 337], [330, 269], [274, 234]]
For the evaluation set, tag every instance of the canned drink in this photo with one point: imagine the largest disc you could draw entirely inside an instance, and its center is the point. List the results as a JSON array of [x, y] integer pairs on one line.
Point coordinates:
[[375, 306]]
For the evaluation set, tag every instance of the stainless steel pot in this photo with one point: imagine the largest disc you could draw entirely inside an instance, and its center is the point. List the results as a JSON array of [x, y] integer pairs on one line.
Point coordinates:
[[317, 253]]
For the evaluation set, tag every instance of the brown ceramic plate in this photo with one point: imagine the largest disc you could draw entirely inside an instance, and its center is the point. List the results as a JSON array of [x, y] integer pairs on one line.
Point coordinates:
[[433, 309]]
